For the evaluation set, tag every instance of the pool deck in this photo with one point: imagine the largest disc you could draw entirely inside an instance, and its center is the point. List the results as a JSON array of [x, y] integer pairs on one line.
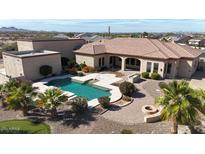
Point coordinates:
[[103, 81]]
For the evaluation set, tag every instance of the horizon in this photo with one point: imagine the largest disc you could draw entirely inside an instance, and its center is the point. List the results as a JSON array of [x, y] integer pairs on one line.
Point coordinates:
[[117, 25]]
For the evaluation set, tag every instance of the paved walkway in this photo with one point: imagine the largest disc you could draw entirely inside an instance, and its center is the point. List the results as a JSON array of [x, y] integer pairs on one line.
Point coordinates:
[[132, 113]]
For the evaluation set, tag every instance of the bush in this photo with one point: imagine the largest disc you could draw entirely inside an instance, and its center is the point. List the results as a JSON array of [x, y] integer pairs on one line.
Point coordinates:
[[104, 102], [145, 75], [71, 63], [45, 70], [88, 69], [13, 130], [126, 131], [127, 88], [82, 65], [155, 76], [79, 105], [162, 85]]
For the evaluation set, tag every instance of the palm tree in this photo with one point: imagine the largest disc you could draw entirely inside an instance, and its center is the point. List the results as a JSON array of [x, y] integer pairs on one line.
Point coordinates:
[[21, 97], [180, 104], [51, 99]]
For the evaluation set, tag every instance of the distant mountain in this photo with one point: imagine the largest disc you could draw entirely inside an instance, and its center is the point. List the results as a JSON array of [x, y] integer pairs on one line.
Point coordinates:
[[12, 29]]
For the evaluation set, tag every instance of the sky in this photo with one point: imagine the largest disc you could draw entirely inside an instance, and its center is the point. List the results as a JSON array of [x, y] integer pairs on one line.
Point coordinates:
[[101, 25]]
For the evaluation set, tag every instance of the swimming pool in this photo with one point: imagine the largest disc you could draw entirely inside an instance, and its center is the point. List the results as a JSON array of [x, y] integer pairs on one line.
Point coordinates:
[[79, 89]]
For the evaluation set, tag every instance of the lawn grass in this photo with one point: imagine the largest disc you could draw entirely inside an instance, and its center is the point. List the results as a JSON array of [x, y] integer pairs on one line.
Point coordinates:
[[27, 127]]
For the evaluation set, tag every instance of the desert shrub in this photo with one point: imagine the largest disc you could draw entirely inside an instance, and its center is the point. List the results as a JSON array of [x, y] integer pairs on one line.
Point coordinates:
[[88, 69], [104, 102], [79, 105], [162, 85], [127, 88], [145, 75], [64, 61], [82, 65], [126, 98], [45, 70], [126, 131], [77, 66], [155, 76]]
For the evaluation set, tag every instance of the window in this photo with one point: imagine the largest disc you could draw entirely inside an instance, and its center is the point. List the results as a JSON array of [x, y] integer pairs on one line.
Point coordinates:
[[132, 61], [99, 62], [169, 67], [127, 61], [156, 66], [103, 61], [110, 60], [149, 66], [120, 59]]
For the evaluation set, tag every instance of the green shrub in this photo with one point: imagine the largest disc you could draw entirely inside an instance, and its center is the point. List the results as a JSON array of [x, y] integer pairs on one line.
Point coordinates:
[[79, 105], [127, 88], [71, 63], [126, 131], [162, 85], [104, 102], [145, 75], [82, 65], [13, 130], [155, 76], [45, 70]]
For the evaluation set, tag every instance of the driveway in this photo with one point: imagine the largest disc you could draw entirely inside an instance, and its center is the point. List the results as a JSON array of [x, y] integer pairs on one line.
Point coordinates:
[[198, 80]]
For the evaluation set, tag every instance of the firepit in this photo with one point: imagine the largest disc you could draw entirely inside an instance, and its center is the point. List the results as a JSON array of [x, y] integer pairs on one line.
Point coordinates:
[[149, 109]]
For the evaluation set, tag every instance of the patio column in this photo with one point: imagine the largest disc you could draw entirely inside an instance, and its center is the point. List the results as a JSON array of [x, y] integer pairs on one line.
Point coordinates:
[[123, 64]]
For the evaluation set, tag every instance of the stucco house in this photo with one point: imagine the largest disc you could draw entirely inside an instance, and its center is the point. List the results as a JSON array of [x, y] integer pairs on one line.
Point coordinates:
[[168, 59], [64, 46], [26, 64]]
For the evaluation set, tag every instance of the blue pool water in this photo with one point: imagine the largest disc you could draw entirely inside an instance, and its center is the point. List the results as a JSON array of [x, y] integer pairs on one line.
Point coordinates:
[[79, 89]]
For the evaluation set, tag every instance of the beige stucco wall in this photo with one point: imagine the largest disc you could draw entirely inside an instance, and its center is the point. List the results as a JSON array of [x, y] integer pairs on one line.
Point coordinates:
[[32, 65], [89, 60], [186, 68], [29, 67], [65, 47], [13, 66], [24, 45]]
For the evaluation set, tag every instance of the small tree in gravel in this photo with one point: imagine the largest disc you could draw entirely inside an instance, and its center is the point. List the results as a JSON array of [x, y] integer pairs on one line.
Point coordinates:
[[127, 88], [104, 102], [79, 105]]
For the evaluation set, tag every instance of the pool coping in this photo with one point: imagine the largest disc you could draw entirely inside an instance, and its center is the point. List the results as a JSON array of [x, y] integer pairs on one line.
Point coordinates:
[[114, 90]]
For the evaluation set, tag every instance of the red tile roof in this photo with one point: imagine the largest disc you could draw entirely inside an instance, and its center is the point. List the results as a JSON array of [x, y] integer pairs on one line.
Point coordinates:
[[140, 47]]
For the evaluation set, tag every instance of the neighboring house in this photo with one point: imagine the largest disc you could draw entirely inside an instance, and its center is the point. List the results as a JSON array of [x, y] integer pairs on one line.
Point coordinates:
[[64, 46], [89, 37], [198, 43], [26, 64], [169, 59], [183, 40]]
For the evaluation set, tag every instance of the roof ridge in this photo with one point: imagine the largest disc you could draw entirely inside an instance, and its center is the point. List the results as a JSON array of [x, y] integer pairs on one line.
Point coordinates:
[[159, 49], [186, 50], [173, 51]]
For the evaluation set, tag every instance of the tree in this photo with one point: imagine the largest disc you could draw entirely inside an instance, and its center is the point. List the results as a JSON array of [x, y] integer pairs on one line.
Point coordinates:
[[180, 104], [51, 99], [45, 70], [79, 105], [21, 97]]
